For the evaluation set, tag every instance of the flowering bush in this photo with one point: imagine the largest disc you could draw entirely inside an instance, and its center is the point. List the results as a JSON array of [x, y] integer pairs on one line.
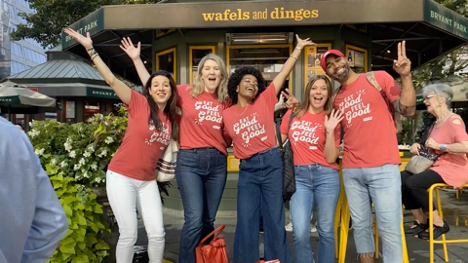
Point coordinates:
[[75, 156]]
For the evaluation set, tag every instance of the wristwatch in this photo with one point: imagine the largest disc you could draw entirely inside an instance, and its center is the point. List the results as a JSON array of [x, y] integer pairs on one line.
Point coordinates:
[[443, 147]]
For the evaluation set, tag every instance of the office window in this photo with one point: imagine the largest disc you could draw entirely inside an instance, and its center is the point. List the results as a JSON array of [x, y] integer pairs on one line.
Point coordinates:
[[16, 49], [13, 28], [17, 67]]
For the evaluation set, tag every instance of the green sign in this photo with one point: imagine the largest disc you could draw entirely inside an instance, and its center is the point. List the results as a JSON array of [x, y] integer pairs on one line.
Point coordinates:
[[13, 100], [445, 19], [93, 23], [101, 93]]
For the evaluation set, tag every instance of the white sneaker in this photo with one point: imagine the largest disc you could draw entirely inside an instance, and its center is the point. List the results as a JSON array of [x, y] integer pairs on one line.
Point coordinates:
[[313, 229], [289, 227]]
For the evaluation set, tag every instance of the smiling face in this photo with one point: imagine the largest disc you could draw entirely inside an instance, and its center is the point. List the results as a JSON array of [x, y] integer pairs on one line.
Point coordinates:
[[337, 67], [248, 87], [160, 90], [318, 95], [211, 75]]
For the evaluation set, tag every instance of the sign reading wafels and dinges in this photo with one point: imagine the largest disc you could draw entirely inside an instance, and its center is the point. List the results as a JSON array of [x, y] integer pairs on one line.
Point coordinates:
[[277, 13]]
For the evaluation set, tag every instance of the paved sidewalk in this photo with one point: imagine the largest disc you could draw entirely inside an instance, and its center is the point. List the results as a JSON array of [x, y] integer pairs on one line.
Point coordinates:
[[455, 211]]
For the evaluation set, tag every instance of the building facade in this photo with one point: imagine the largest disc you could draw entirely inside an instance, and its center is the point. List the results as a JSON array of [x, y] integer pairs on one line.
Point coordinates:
[[17, 56]]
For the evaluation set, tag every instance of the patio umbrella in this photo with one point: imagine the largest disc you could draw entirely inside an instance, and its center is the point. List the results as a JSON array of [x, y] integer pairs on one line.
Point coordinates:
[[14, 96]]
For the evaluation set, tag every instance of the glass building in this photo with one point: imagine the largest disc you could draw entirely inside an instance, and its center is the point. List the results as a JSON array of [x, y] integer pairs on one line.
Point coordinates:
[[16, 56]]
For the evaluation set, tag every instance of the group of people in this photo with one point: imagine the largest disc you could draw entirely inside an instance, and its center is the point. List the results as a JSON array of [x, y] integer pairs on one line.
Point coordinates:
[[218, 111]]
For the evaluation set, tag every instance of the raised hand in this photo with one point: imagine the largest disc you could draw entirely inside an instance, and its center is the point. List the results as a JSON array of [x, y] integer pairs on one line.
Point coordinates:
[[86, 42], [415, 148], [331, 122], [402, 65], [291, 101], [432, 144], [128, 47], [301, 43]]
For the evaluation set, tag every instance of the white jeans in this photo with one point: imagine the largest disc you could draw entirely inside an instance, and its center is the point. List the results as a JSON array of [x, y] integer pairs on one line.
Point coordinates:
[[122, 192]]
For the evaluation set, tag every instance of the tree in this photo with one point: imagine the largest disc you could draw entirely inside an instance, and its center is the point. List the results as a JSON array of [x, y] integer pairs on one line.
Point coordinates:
[[51, 16]]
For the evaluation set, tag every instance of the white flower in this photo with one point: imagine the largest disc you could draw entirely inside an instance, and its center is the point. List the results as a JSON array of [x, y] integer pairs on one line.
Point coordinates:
[[82, 161], [63, 164], [86, 154], [53, 161], [113, 154], [90, 149], [30, 124], [98, 180], [39, 152], [85, 175], [94, 166], [103, 153], [76, 167], [33, 133], [109, 140], [72, 154]]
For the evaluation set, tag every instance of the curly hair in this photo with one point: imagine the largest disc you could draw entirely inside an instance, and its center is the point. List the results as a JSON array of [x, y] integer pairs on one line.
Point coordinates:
[[236, 78]]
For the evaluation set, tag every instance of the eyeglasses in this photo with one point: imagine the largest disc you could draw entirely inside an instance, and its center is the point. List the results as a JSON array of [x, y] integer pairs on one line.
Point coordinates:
[[427, 97]]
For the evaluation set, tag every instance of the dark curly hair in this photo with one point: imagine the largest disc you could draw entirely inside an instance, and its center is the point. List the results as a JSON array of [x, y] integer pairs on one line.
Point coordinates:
[[236, 78]]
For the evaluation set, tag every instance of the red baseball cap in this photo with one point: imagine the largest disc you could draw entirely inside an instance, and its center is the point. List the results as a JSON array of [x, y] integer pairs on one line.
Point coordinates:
[[326, 54]]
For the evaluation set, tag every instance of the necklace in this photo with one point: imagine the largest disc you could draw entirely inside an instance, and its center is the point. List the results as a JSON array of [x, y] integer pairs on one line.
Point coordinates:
[[237, 114]]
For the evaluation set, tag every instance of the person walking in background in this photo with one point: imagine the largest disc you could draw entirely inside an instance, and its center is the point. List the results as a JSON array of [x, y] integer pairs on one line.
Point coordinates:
[[371, 157], [131, 172], [201, 170], [32, 219]]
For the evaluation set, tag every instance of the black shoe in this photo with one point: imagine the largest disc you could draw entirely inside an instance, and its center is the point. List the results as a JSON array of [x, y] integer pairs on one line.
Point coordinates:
[[416, 228], [438, 231]]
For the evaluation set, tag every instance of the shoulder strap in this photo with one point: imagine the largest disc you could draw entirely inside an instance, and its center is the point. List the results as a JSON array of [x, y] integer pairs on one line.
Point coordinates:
[[290, 120], [371, 78], [278, 133]]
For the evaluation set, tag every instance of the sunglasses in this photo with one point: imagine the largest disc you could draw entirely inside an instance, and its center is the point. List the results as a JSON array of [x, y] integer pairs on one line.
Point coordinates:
[[427, 97]]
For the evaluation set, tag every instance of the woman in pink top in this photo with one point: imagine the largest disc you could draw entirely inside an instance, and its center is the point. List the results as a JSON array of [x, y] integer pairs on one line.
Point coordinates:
[[314, 136], [449, 140], [131, 172], [250, 124], [202, 160]]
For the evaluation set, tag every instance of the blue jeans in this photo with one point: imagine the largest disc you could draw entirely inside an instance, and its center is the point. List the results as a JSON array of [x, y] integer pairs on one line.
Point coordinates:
[[315, 185], [260, 189], [201, 177], [381, 186]]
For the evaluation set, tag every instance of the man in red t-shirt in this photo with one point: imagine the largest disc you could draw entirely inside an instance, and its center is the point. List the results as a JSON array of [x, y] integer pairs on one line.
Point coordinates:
[[371, 157]]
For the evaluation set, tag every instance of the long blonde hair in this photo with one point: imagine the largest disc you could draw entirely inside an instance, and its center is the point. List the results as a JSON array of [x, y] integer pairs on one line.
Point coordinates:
[[199, 84], [306, 100]]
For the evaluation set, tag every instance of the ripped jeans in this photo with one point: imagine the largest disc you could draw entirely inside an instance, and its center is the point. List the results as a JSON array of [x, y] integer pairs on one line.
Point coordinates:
[[381, 186]]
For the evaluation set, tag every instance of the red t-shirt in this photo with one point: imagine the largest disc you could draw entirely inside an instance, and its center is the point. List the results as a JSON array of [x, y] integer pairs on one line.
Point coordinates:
[[252, 128], [201, 122], [369, 131], [307, 137], [453, 168], [142, 144]]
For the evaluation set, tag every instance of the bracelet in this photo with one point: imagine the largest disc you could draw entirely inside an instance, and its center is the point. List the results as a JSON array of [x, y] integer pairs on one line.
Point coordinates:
[[298, 48], [94, 56], [294, 57], [91, 52], [90, 49]]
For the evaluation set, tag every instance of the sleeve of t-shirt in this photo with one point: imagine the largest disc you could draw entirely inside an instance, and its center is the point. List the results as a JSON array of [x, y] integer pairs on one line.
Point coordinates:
[[137, 103], [458, 130], [388, 84], [181, 92], [285, 122], [270, 95], [337, 135]]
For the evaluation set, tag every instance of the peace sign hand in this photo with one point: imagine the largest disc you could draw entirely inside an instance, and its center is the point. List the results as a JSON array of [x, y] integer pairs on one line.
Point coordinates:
[[132, 51], [301, 43], [331, 122], [402, 66], [86, 42]]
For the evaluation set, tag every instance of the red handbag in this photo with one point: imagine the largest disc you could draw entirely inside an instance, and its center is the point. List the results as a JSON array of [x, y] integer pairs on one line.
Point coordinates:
[[215, 251], [271, 261]]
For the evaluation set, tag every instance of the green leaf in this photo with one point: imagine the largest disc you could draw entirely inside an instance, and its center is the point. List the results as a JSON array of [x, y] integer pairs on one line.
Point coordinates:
[[82, 245], [68, 248], [67, 210], [98, 209], [93, 226], [80, 219], [90, 254], [102, 245], [91, 240]]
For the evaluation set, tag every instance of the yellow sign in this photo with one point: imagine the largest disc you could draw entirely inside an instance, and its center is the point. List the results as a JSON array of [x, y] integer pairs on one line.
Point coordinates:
[[278, 13]]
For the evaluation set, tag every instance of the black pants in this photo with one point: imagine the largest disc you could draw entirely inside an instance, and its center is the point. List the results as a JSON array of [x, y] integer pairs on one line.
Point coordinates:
[[414, 189]]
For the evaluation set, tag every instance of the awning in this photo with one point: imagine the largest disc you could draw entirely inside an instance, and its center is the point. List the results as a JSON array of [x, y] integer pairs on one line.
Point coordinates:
[[429, 28], [74, 90]]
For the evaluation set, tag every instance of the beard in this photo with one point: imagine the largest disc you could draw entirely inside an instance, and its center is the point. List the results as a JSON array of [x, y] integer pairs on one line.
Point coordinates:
[[342, 76]]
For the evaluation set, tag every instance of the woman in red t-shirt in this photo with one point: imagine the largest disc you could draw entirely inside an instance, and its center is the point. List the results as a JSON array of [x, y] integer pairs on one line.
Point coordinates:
[[314, 136], [250, 124], [202, 160], [131, 172]]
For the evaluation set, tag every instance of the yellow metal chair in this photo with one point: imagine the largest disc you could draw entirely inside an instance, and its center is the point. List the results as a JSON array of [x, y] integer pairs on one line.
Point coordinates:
[[435, 188]]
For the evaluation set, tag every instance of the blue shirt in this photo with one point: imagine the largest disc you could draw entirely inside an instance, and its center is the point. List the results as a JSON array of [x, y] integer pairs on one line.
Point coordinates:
[[32, 220]]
